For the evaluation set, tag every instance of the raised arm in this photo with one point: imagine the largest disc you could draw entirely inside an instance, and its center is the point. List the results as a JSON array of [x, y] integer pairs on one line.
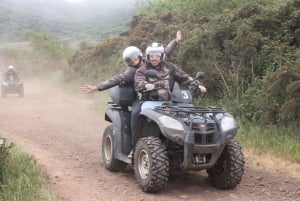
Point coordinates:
[[172, 44]]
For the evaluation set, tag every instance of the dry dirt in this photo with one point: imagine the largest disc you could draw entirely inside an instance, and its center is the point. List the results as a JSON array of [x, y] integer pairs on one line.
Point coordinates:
[[64, 135]]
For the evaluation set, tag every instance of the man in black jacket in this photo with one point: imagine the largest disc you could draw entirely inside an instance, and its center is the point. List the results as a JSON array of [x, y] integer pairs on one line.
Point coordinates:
[[168, 71]]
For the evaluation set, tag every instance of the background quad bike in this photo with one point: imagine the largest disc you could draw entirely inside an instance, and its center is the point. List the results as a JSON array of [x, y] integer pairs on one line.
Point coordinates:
[[16, 87]]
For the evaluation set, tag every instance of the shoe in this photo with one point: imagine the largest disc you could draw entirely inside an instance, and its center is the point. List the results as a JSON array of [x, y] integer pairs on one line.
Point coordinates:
[[130, 154]]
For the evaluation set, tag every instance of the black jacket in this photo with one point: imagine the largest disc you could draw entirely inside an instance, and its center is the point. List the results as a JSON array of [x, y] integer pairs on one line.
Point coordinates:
[[169, 74]]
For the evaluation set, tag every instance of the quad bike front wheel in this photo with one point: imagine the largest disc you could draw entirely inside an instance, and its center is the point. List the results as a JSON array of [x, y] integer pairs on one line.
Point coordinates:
[[151, 164], [3, 92], [227, 172], [108, 143], [21, 91]]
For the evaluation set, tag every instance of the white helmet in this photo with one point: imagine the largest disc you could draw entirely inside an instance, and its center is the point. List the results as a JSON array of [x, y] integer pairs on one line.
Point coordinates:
[[155, 48], [130, 53], [11, 67]]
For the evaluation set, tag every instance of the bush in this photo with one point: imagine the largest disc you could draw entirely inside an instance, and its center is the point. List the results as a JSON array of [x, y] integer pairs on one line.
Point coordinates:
[[22, 178], [4, 157]]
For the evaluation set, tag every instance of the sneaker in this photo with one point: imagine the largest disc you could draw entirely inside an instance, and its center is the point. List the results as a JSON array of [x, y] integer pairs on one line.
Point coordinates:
[[130, 154]]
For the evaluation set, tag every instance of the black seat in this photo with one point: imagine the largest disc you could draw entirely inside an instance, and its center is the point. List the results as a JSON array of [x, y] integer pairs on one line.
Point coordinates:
[[122, 95]]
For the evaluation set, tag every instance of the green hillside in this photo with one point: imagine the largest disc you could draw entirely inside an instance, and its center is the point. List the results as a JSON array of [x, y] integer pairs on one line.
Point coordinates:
[[249, 51], [95, 21]]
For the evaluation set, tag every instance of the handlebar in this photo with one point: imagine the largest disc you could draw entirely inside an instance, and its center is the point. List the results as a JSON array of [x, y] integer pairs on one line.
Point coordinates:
[[194, 85]]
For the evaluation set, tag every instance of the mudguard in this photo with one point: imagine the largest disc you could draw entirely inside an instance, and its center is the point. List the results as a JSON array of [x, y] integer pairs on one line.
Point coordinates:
[[173, 130], [124, 139], [151, 104]]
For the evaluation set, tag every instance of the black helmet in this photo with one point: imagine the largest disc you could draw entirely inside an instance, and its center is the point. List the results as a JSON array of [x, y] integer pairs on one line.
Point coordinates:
[[130, 53], [155, 48]]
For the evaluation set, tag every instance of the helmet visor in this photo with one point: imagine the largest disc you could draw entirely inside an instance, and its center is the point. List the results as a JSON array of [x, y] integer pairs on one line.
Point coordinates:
[[128, 60], [154, 53], [133, 61]]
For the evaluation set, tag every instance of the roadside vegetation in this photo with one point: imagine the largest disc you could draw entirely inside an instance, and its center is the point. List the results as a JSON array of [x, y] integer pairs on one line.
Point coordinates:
[[283, 142], [21, 177]]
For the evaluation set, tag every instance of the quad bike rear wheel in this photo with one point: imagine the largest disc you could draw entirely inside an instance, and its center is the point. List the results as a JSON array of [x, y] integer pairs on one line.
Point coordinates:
[[151, 164], [108, 143], [227, 172]]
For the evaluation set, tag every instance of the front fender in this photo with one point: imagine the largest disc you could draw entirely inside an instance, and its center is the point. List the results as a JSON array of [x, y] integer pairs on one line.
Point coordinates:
[[114, 117], [169, 127]]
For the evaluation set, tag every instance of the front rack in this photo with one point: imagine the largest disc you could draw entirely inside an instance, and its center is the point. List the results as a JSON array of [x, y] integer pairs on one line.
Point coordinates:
[[189, 110]]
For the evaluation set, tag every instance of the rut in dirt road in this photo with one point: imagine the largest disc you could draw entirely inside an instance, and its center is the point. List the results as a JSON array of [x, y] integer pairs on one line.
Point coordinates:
[[64, 134]]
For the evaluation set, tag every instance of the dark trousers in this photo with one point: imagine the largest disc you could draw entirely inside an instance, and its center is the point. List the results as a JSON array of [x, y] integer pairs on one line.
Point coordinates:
[[136, 109]]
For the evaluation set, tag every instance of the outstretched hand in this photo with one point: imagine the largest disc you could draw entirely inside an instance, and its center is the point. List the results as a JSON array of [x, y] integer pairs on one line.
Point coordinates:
[[88, 89]]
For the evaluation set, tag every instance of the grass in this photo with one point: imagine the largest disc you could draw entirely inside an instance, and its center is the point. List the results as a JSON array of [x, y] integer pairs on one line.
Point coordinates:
[[23, 180], [261, 139], [283, 142]]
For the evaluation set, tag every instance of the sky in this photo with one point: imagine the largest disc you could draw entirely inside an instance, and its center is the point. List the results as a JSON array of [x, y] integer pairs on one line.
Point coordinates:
[[74, 1]]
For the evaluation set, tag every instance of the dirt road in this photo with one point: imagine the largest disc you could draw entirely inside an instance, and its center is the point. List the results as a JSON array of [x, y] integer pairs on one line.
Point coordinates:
[[64, 135]]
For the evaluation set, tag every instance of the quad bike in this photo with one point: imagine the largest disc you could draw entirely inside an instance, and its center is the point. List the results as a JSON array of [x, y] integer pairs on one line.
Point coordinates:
[[12, 85], [172, 135]]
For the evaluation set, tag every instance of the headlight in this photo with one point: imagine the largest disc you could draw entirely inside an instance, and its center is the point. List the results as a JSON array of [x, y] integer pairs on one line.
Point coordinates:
[[228, 123], [171, 123]]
